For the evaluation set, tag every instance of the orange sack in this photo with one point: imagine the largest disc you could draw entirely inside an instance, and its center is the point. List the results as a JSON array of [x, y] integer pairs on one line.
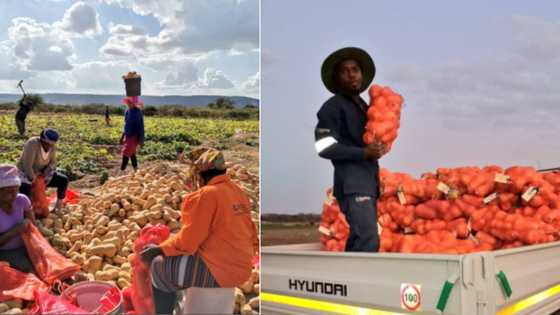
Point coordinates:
[[18, 285], [49, 264], [384, 115], [486, 208], [39, 200]]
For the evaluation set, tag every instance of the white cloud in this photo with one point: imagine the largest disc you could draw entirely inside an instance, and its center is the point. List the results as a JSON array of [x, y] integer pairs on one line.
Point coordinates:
[[197, 26], [129, 40], [191, 53], [164, 11], [126, 29], [485, 92], [252, 84], [39, 46], [122, 44], [80, 19], [214, 79], [191, 32], [159, 62], [192, 72], [9, 67], [115, 51], [538, 39], [507, 91], [172, 61], [217, 25], [43, 82], [187, 74], [101, 76]]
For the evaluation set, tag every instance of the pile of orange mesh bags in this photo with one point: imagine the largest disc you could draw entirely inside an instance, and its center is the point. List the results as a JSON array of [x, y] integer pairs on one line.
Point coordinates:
[[458, 211]]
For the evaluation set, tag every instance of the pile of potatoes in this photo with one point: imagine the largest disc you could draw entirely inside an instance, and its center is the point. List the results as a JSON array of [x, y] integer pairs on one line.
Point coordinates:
[[99, 232], [11, 307], [131, 75], [247, 300]]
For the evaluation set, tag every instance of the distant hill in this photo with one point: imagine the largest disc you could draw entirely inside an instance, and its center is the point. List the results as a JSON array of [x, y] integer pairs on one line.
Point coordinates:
[[84, 99]]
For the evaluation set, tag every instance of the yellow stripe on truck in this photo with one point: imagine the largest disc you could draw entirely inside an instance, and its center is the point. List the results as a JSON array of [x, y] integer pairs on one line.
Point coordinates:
[[321, 305], [530, 301], [355, 310]]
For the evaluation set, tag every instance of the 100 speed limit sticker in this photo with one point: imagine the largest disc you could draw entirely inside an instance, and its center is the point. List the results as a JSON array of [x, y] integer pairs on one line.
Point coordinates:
[[411, 296]]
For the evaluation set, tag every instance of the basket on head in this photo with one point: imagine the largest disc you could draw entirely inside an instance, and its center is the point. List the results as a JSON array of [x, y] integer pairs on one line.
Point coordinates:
[[133, 86]]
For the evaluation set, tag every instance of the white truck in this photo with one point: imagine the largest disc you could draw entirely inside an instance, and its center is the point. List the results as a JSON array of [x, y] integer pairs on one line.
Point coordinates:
[[301, 279]]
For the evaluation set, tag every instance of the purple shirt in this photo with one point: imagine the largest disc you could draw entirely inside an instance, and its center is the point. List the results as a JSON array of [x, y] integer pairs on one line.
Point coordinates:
[[7, 221]]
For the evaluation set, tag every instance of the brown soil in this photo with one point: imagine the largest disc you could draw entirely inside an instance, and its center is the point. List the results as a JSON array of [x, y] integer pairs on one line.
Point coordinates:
[[284, 234]]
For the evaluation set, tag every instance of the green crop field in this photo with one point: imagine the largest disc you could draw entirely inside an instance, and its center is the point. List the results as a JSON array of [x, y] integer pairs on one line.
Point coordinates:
[[87, 145]]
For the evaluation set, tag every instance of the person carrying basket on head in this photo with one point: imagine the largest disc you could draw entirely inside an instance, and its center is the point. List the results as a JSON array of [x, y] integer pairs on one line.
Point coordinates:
[[133, 133]]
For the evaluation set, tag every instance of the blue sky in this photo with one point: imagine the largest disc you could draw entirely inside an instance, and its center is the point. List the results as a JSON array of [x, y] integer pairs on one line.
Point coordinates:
[[480, 81], [181, 47]]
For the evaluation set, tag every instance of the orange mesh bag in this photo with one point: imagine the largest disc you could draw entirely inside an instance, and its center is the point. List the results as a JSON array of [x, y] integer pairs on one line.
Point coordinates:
[[18, 285], [39, 199], [49, 264]]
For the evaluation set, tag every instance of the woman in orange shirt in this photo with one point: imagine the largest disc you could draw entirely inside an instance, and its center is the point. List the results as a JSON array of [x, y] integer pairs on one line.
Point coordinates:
[[216, 242]]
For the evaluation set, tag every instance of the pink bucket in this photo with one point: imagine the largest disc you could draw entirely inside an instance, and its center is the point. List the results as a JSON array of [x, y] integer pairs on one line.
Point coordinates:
[[87, 295]]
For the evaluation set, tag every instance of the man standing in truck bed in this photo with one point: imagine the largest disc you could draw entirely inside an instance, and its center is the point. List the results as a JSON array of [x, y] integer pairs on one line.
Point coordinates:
[[347, 73]]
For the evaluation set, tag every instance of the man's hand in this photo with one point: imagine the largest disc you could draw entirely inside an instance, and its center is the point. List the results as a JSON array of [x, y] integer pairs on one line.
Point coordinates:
[[121, 141], [150, 252], [375, 150]]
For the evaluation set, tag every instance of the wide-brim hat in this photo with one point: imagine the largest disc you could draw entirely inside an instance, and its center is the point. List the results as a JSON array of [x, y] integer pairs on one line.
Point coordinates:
[[359, 55]]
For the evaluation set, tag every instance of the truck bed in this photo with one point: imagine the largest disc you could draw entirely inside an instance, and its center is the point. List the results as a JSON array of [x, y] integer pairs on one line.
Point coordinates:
[[301, 279]]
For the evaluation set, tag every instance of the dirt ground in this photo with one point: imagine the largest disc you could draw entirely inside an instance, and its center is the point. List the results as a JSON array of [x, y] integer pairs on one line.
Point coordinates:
[[284, 234]]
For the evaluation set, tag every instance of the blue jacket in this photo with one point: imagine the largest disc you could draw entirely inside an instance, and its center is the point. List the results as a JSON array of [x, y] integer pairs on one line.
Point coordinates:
[[338, 137], [134, 123]]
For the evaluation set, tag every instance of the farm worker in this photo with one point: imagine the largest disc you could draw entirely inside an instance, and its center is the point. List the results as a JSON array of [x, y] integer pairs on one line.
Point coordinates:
[[217, 240], [15, 215], [181, 154], [342, 119], [107, 117], [133, 133], [26, 104], [39, 158]]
